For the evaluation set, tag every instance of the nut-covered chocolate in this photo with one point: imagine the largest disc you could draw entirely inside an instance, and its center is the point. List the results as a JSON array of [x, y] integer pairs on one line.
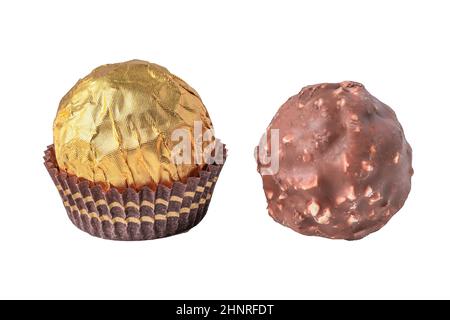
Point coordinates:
[[344, 163]]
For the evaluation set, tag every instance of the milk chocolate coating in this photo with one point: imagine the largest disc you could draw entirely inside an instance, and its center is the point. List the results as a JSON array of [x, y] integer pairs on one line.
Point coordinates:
[[344, 163]]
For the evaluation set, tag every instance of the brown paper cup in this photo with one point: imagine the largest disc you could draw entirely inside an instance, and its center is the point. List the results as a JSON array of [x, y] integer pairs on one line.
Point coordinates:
[[132, 214]]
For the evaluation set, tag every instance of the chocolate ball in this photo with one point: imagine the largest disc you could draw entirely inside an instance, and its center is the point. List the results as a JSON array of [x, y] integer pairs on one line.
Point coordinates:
[[344, 163], [115, 126]]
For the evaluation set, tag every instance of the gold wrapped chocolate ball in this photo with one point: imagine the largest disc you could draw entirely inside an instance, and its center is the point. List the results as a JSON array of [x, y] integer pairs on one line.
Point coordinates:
[[114, 126], [134, 154]]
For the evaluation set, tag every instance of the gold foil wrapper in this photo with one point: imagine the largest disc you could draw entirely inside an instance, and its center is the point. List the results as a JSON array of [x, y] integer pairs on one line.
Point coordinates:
[[114, 127]]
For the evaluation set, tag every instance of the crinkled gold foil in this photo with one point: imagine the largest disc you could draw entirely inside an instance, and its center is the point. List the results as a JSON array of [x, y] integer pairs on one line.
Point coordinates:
[[114, 126]]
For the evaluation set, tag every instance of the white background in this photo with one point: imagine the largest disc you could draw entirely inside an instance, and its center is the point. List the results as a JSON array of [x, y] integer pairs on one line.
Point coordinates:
[[245, 59]]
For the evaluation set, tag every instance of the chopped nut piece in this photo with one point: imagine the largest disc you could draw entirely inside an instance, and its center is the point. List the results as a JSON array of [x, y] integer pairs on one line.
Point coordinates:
[[340, 200], [288, 138], [313, 208], [325, 217], [319, 102], [368, 192], [352, 219], [345, 163], [341, 103], [351, 193], [396, 158], [374, 198], [366, 166], [308, 183]]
